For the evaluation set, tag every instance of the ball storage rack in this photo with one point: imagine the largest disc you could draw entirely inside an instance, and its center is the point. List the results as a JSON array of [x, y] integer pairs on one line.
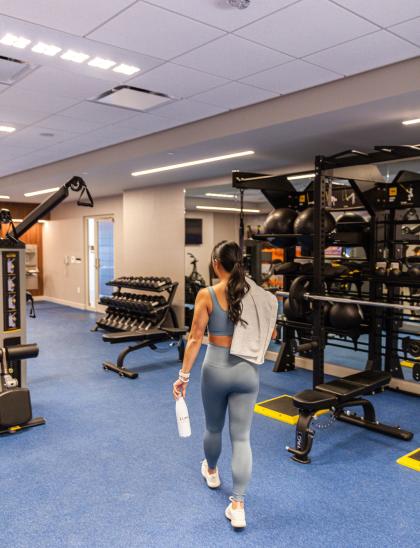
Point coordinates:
[[383, 278], [140, 316]]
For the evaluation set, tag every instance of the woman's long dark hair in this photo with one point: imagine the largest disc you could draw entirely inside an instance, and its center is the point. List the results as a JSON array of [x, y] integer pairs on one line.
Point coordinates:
[[230, 256]]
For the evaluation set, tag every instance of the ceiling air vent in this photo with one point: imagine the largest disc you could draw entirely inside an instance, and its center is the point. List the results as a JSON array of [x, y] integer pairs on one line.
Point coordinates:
[[133, 98], [12, 69]]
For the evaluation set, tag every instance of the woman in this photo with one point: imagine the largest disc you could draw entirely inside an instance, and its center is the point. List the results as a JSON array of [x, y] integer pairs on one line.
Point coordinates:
[[228, 381]]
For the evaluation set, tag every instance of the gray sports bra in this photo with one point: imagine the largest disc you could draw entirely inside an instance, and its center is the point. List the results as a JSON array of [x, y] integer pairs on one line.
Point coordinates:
[[219, 322]]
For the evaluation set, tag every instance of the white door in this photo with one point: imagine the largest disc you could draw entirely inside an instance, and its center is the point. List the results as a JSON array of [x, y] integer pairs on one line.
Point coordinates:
[[100, 249]]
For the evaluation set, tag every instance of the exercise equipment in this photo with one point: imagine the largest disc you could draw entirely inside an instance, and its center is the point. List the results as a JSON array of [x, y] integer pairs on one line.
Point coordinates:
[[280, 221], [375, 220], [140, 318], [351, 222], [15, 401], [411, 460], [194, 282], [338, 395], [305, 222]]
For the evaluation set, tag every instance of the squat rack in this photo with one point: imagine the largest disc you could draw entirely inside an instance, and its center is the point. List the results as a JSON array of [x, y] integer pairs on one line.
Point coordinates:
[[353, 166]]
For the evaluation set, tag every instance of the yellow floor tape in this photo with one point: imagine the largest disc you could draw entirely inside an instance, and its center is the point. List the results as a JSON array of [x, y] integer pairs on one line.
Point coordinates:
[[289, 414], [411, 460]]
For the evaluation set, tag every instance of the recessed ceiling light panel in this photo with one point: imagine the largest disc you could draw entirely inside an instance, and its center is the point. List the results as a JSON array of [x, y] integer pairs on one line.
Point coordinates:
[[16, 41], [129, 70], [303, 176], [7, 129], [75, 56], [133, 98], [4, 197], [98, 62], [218, 195], [235, 209], [46, 49]]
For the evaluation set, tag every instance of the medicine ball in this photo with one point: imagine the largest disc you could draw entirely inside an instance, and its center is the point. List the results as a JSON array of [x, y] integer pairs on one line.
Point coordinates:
[[351, 222], [414, 271], [288, 313], [345, 316], [280, 221], [304, 223]]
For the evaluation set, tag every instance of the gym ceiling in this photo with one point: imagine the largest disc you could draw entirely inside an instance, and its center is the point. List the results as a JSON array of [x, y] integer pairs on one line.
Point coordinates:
[[288, 79]]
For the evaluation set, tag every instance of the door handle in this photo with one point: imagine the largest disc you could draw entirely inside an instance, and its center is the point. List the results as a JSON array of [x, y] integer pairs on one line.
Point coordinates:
[[97, 263]]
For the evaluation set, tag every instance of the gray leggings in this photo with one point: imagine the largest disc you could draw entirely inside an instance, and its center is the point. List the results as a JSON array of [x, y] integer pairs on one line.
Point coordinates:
[[228, 382]]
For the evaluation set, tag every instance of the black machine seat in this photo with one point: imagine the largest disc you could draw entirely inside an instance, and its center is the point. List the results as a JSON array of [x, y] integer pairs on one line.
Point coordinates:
[[371, 379], [155, 334], [135, 336], [342, 388], [313, 400]]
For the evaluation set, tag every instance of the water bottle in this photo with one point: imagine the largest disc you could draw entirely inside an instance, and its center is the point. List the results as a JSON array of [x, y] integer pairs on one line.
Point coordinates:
[[182, 418]]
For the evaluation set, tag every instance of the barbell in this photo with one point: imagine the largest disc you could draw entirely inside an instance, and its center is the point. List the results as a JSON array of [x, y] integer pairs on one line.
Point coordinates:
[[299, 296]]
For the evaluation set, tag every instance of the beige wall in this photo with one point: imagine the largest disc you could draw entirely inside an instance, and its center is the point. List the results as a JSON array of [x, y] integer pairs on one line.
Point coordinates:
[[64, 235], [154, 235]]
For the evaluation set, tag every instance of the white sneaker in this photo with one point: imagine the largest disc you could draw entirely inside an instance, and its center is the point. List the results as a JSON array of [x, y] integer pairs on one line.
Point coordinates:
[[236, 516], [213, 480]]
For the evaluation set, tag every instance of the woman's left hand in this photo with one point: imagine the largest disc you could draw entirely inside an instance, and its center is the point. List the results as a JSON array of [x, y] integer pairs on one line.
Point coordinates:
[[179, 389]]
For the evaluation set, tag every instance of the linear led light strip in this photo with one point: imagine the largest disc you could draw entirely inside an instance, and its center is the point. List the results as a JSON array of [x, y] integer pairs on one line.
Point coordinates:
[[411, 122], [42, 221], [217, 195], [297, 177], [193, 163], [38, 192], [236, 209], [70, 55]]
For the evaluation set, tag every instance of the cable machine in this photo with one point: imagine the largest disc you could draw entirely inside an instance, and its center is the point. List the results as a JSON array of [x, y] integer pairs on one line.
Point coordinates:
[[15, 401]]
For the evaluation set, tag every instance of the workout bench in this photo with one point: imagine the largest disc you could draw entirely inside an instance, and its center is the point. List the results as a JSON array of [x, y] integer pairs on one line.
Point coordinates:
[[143, 338], [337, 395]]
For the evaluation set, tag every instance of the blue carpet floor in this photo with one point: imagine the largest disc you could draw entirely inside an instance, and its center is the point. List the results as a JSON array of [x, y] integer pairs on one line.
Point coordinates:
[[108, 468]]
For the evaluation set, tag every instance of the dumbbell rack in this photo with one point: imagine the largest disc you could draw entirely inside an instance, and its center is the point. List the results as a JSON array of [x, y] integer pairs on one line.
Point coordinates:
[[127, 311]]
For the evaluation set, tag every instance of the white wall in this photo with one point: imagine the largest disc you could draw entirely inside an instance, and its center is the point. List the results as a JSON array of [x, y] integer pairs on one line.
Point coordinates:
[[64, 235], [154, 235]]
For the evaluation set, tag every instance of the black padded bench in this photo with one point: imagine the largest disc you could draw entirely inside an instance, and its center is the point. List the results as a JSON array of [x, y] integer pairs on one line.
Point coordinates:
[[143, 338], [335, 396]]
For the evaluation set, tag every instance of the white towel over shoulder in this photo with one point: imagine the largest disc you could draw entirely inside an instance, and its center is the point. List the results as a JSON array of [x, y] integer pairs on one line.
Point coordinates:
[[250, 341]]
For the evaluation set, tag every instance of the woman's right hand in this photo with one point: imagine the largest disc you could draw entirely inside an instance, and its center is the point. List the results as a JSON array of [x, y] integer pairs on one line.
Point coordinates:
[[179, 389]]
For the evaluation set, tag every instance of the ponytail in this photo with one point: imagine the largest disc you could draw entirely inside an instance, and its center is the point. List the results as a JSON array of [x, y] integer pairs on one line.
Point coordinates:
[[230, 256]]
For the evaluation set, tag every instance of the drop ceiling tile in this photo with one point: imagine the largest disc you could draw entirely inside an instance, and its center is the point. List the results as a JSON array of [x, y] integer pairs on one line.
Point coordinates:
[[72, 16], [154, 31], [383, 12], [307, 27], [66, 123], [366, 53], [220, 14], [232, 57], [291, 77], [31, 137], [8, 152], [22, 116], [234, 95], [145, 124], [94, 112], [53, 81], [17, 97], [410, 30], [188, 111], [177, 81]]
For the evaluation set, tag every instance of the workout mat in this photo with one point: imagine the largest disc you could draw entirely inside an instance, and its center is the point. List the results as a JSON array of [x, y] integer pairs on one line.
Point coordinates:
[[281, 409], [411, 460]]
